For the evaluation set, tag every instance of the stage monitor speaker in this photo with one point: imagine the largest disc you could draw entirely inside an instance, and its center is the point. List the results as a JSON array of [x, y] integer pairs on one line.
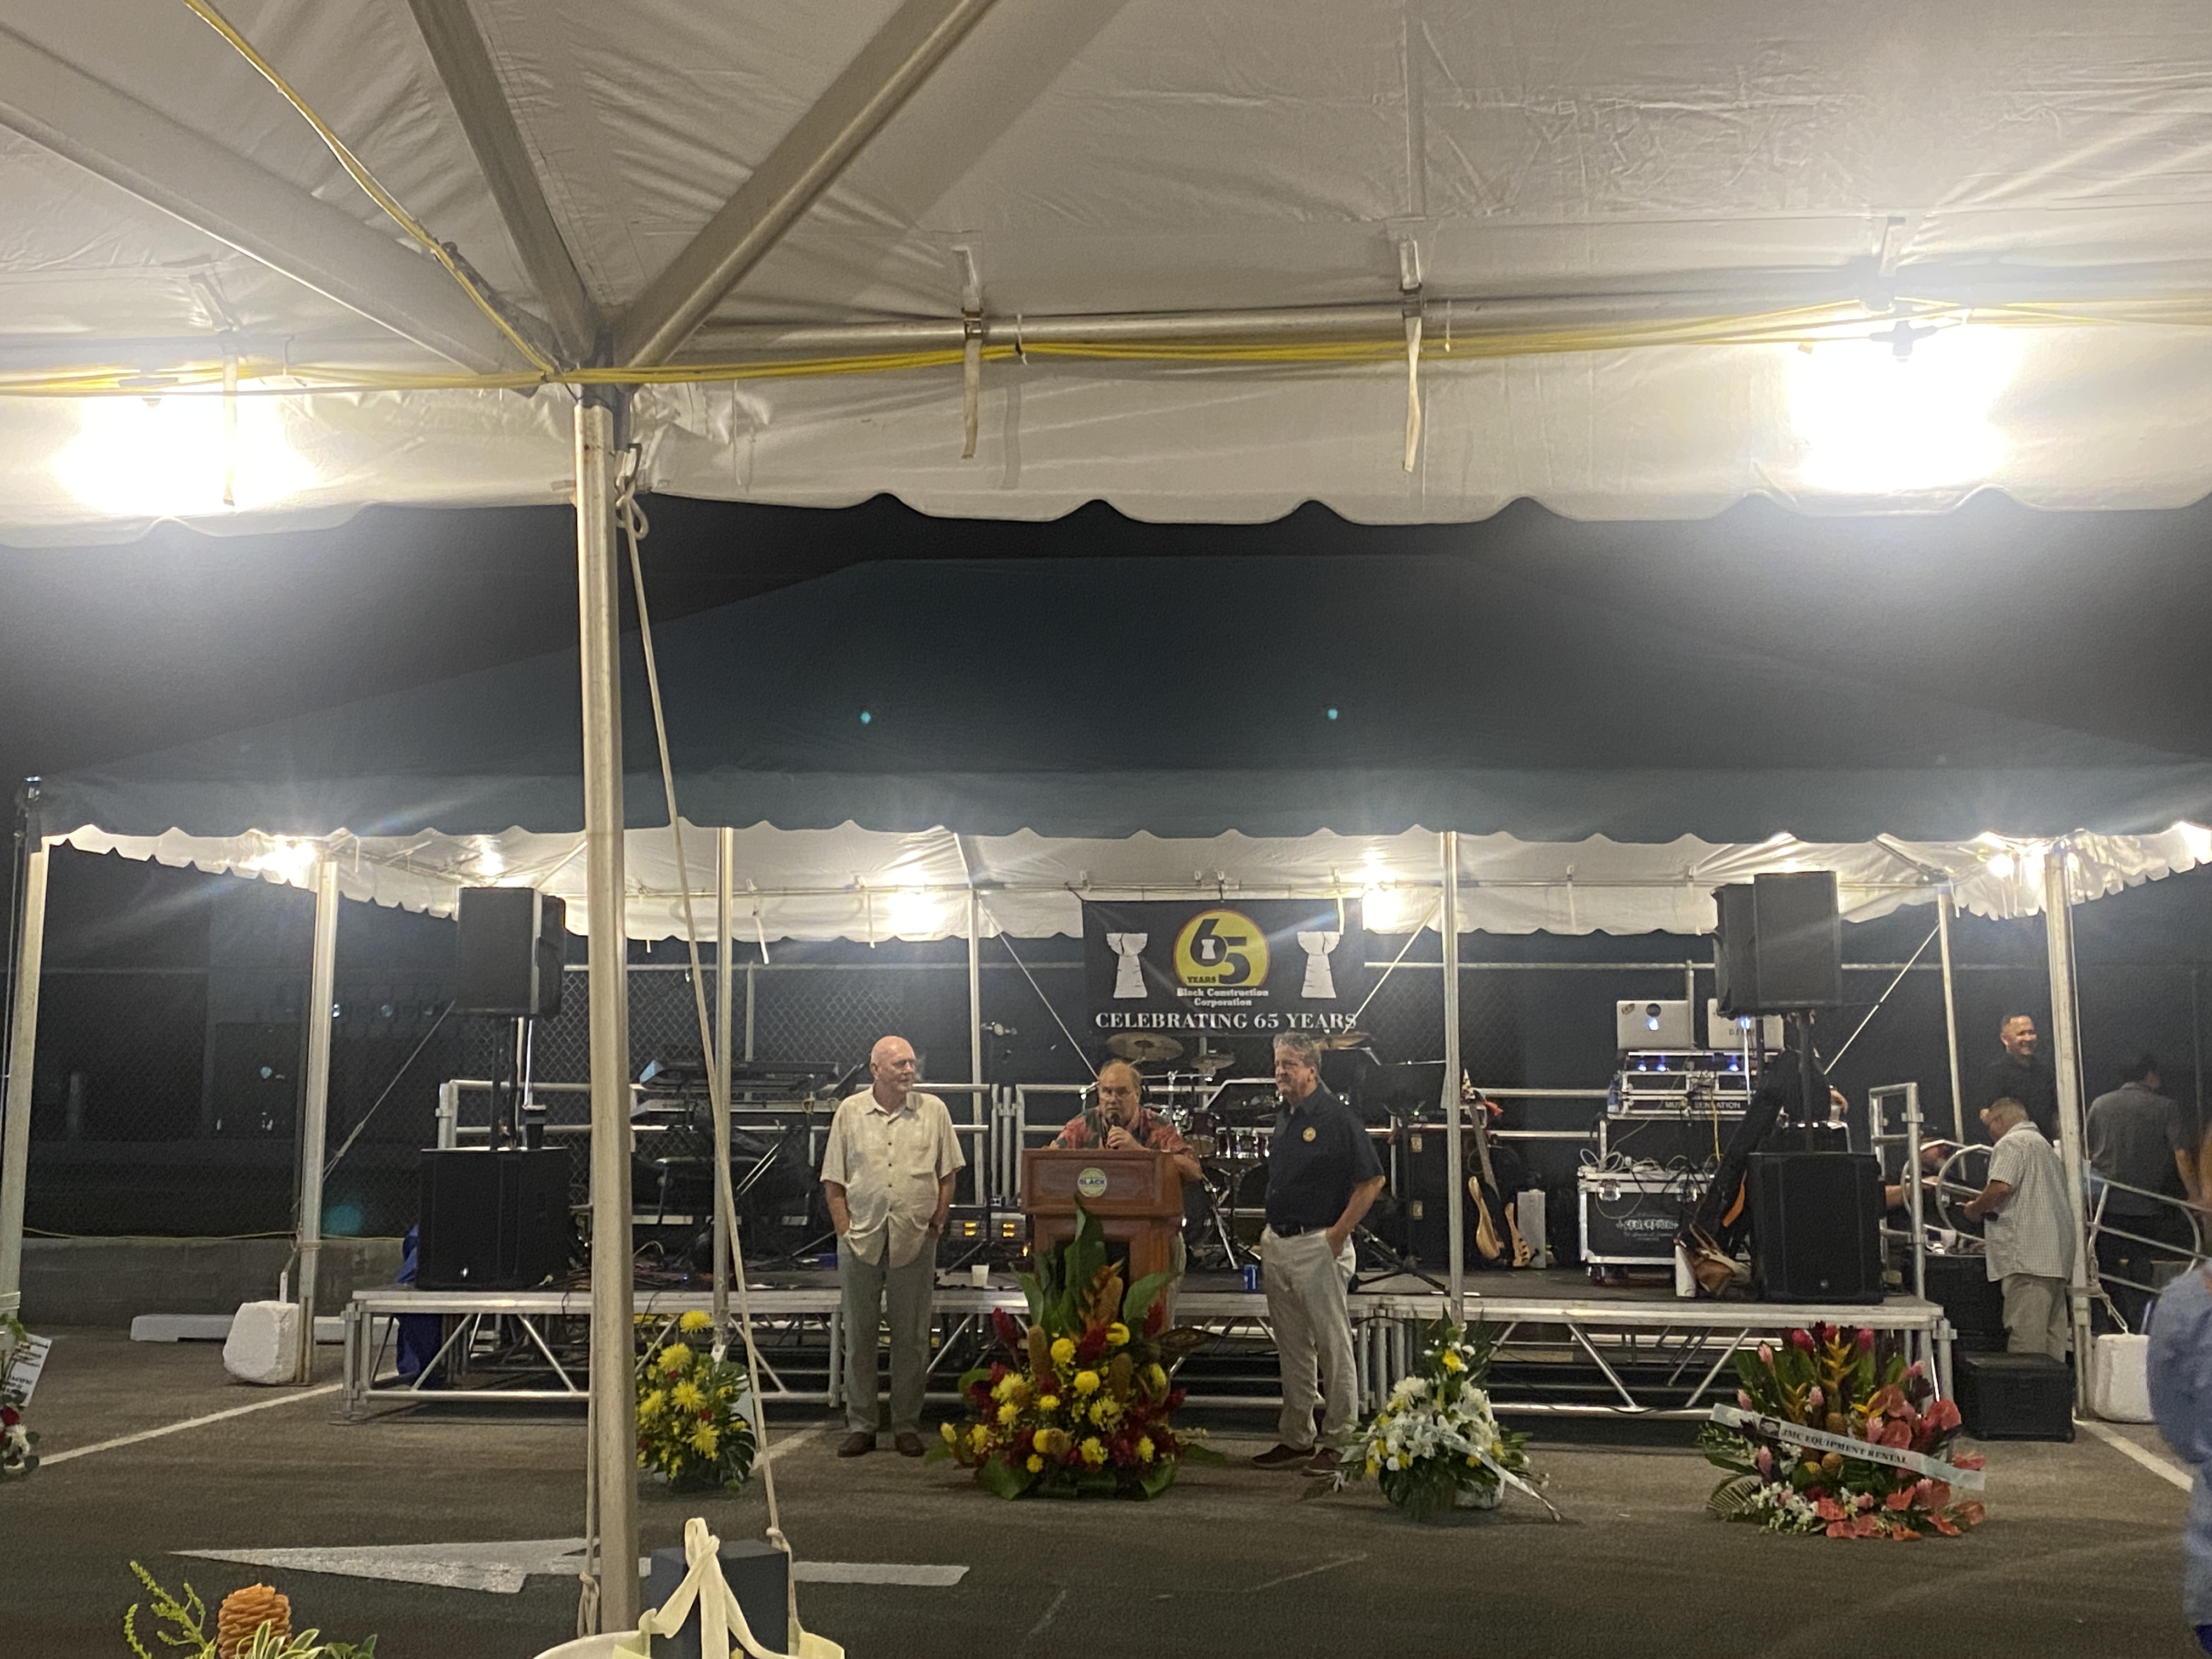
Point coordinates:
[[492, 1221], [1779, 944], [513, 942], [1816, 1227], [2014, 1396]]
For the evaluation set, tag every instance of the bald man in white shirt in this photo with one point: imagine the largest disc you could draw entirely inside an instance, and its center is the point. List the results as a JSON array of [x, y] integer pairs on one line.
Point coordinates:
[[887, 1174]]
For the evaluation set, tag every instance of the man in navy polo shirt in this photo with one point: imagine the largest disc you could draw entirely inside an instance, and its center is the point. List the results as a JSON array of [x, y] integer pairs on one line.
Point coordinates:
[[1322, 1173]]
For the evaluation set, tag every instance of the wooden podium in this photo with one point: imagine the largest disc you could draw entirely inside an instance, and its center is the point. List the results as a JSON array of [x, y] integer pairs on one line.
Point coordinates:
[[1136, 1197]]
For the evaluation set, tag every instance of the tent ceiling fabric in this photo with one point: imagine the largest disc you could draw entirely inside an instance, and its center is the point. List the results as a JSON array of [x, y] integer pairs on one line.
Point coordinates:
[[1183, 696], [856, 884], [1110, 156]]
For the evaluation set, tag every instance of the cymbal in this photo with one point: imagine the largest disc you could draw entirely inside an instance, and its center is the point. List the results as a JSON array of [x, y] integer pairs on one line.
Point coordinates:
[[1347, 1039], [1143, 1047], [1209, 1064]]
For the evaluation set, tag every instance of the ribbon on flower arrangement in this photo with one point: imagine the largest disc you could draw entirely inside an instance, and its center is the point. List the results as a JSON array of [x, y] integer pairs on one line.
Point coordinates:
[[1866, 1451], [1511, 1479], [721, 1620]]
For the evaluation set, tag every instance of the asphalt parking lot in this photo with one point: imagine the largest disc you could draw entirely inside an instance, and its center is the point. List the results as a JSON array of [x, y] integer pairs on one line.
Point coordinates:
[[2082, 1555]]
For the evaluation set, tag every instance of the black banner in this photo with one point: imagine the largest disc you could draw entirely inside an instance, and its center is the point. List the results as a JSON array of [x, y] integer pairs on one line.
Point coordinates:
[[1222, 970]]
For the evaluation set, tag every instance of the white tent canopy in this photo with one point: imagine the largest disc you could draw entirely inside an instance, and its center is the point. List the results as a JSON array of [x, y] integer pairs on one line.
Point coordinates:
[[1645, 244], [851, 883]]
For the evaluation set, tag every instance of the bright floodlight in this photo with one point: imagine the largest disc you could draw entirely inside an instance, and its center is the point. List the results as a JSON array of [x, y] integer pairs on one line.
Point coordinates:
[[170, 457], [1871, 423]]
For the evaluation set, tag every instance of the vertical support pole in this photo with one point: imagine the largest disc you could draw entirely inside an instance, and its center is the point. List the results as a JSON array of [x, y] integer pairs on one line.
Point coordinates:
[[974, 986], [976, 1105], [23, 1050], [1950, 1016], [1454, 1155], [2066, 1042], [752, 981], [315, 1104], [725, 913], [614, 1407]]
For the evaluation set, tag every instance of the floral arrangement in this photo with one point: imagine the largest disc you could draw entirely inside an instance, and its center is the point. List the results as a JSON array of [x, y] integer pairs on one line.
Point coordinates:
[[19, 1446], [1435, 1445], [1080, 1402], [690, 1429], [1830, 1380], [253, 1623]]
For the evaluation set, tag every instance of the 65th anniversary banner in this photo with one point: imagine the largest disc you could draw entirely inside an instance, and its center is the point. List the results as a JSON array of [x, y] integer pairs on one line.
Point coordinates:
[[1228, 968]]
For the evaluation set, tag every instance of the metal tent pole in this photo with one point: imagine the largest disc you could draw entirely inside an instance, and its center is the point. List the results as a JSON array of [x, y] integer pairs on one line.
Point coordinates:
[[1455, 1158], [1950, 1015], [22, 1043], [726, 910], [2066, 1039], [315, 1104], [979, 1109], [614, 1408]]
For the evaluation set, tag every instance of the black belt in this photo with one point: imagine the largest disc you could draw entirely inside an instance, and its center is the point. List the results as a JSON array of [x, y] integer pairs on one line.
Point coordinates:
[[1293, 1232]]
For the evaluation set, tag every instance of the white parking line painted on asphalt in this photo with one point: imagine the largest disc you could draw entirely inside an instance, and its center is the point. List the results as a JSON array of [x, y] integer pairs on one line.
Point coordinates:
[[2150, 1459], [501, 1569], [189, 1422]]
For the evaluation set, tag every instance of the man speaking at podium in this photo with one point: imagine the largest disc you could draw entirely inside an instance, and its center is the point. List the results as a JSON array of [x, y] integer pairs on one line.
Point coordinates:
[[1322, 1173], [1122, 1123]]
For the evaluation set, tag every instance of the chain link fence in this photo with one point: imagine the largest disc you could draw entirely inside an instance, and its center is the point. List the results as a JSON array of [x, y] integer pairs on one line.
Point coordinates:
[[166, 1095]]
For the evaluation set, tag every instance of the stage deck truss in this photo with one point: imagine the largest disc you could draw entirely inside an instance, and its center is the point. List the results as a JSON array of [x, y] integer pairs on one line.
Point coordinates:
[[1653, 1358]]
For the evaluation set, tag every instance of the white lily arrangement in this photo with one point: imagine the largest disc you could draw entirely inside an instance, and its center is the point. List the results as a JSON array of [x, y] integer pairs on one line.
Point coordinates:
[[1436, 1444]]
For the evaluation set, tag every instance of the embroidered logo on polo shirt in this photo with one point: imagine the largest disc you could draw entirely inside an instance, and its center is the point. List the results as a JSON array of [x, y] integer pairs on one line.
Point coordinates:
[[1310, 1134]]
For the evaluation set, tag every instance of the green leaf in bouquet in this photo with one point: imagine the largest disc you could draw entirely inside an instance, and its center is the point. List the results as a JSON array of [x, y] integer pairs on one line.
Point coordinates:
[[971, 1377], [1725, 1448], [1034, 1292], [1002, 1479], [1141, 1296], [1174, 1345], [1197, 1452], [1157, 1478], [1732, 1497]]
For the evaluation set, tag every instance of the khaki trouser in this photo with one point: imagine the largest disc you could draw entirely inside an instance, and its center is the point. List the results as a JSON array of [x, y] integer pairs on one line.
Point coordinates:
[[2035, 1315], [865, 1288], [1305, 1287]]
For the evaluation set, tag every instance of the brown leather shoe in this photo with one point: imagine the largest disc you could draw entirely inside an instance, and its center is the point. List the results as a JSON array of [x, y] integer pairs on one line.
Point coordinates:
[[910, 1445], [858, 1443], [1283, 1457]]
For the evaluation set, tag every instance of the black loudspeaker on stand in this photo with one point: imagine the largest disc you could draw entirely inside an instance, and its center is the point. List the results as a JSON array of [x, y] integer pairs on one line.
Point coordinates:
[[1780, 944], [512, 941], [1815, 1226]]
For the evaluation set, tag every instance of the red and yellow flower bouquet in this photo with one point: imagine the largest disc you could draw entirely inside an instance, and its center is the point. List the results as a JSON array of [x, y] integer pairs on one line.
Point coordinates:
[[1080, 1402]]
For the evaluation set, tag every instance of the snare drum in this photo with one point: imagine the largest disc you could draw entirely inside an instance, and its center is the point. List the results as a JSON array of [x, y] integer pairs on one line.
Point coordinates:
[[1199, 1129]]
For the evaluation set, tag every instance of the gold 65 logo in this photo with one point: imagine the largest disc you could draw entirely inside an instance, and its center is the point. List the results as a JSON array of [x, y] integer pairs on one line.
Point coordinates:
[[1221, 948]]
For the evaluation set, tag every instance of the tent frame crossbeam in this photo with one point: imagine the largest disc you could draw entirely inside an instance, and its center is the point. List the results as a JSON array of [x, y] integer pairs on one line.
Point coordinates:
[[220, 194]]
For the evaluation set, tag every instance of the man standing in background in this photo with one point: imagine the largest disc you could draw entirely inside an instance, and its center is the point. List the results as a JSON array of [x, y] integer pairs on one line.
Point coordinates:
[[2029, 1229], [2134, 1138], [2020, 1074], [887, 1173]]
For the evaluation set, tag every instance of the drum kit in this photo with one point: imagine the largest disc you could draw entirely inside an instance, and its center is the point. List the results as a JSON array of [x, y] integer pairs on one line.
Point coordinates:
[[1226, 1122]]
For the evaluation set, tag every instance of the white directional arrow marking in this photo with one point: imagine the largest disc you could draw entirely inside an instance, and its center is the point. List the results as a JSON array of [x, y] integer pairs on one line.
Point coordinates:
[[501, 1569]]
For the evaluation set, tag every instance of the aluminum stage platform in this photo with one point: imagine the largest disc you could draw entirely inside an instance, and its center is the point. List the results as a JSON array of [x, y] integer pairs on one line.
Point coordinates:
[[1567, 1345]]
